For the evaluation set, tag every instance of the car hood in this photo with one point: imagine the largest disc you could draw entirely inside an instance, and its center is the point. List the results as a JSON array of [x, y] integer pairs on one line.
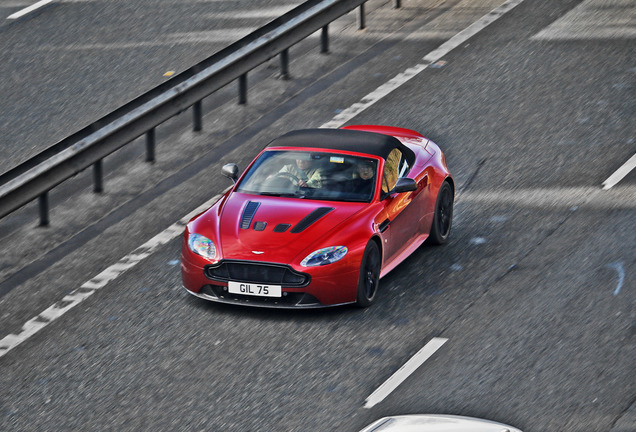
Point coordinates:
[[275, 229]]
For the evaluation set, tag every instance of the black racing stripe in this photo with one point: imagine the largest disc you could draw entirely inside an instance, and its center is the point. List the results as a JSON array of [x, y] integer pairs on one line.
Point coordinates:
[[311, 218], [248, 214]]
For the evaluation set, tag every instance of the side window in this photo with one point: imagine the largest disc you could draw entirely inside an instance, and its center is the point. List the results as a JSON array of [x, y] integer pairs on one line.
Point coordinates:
[[391, 170]]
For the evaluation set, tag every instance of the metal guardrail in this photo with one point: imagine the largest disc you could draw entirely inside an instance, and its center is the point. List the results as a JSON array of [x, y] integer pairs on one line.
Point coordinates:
[[33, 179]]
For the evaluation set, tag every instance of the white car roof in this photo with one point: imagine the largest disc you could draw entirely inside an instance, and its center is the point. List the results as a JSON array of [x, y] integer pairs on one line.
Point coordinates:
[[436, 423]]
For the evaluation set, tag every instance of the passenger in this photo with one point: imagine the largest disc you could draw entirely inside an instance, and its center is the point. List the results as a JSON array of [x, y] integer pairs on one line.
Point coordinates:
[[305, 172], [363, 181]]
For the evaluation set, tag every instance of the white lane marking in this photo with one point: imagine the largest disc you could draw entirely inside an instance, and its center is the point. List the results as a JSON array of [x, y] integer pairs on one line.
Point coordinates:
[[620, 173], [89, 287], [432, 57], [618, 266], [404, 372], [29, 9]]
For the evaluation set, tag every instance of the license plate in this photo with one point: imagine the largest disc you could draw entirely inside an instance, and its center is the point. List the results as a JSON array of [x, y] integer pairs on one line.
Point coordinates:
[[254, 289]]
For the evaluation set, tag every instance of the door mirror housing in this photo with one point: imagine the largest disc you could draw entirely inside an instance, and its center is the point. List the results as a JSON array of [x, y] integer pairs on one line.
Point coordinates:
[[404, 184], [231, 171]]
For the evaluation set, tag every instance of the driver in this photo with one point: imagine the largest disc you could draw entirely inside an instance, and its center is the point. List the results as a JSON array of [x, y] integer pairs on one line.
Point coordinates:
[[305, 172]]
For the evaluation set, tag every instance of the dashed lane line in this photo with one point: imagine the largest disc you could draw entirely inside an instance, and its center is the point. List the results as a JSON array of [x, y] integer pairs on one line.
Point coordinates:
[[28, 10], [431, 58], [620, 173], [89, 287], [404, 372]]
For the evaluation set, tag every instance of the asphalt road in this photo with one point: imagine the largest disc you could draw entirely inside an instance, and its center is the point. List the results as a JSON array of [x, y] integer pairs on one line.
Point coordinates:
[[71, 62], [534, 293]]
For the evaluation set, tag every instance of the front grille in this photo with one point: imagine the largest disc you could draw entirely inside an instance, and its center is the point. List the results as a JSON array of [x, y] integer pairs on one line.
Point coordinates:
[[253, 272]]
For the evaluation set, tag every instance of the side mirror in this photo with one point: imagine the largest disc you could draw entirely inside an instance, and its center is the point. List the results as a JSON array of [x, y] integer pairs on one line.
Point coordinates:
[[404, 184], [231, 171]]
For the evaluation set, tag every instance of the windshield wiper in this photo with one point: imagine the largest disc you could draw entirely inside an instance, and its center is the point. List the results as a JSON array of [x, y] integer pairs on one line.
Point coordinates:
[[278, 194]]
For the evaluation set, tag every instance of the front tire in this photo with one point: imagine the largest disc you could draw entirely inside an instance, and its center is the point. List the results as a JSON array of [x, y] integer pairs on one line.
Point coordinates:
[[443, 217], [369, 277]]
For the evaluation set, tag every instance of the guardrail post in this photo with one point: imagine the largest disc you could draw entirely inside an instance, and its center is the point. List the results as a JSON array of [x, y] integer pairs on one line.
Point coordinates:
[[150, 145], [324, 40], [361, 17], [397, 4], [98, 177], [242, 88], [43, 201], [284, 64], [197, 116]]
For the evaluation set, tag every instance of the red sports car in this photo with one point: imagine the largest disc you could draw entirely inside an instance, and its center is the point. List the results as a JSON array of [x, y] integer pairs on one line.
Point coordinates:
[[318, 218]]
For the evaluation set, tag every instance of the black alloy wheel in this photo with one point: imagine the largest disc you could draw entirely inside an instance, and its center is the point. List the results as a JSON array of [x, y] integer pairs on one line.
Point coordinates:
[[369, 278], [443, 218]]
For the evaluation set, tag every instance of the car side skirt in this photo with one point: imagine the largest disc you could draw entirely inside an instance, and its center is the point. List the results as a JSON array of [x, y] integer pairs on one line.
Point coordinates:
[[388, 266]]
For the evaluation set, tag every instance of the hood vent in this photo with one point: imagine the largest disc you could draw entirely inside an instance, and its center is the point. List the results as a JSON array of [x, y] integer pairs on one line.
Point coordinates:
[[260, 226], [248, 214], [281, 228], [310, 219]]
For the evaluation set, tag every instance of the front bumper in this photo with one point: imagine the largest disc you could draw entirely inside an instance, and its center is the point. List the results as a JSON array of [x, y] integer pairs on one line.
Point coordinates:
[[287, 301], [331, 285]]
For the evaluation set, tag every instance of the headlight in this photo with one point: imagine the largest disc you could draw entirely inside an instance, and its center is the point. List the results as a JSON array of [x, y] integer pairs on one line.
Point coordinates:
[[202, 246], [324, 256]]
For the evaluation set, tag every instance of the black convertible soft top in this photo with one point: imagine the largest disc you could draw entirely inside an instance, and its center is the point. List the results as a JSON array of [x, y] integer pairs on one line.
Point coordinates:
[[343, 139]]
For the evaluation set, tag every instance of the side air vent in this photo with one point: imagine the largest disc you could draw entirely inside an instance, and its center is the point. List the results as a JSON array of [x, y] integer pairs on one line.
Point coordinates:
[[248, 214], [281, 228], [310, 219]]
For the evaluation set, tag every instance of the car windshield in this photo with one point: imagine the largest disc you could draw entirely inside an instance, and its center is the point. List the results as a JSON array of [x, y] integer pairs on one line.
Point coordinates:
[[312, 175]]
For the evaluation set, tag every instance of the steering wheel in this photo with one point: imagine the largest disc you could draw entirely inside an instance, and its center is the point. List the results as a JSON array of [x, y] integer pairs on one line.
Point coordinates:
[[294, 179]]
